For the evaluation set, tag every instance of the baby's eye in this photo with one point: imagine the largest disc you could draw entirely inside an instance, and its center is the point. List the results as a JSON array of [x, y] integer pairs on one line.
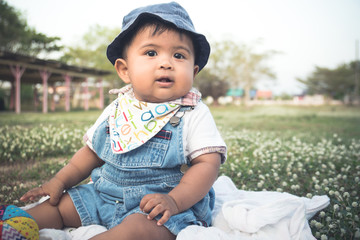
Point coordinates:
[[151, 53], [179, 56]]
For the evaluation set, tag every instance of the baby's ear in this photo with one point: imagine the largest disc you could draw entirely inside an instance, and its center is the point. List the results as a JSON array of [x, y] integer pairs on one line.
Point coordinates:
[[122, 70], [196, 70]]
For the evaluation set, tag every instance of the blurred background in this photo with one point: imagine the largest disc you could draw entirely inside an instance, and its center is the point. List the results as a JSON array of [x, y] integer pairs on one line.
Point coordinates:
[[263, 52]]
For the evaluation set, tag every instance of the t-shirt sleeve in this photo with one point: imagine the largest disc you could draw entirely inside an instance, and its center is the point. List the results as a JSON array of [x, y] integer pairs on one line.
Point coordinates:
[[90, 132], [201, 135]]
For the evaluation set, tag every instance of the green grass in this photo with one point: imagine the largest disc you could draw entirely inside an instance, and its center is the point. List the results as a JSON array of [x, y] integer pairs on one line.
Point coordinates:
[[304, 151], [318, 122], [57, 118]]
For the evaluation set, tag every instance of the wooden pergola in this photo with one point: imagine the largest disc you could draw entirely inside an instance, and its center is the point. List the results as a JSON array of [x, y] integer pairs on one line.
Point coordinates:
[[18, 69]]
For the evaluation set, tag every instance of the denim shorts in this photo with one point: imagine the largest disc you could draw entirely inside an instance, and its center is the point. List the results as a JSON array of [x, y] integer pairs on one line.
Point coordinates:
[[102, 209]]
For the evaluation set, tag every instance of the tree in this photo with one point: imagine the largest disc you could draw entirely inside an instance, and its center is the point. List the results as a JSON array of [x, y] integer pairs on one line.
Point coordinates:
[[334, 83], [211, 85], [91, 51], [240, 65], [16, 36]]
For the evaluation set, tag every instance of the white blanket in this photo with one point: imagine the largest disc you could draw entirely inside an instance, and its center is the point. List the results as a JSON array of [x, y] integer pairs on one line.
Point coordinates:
[[238, 214]]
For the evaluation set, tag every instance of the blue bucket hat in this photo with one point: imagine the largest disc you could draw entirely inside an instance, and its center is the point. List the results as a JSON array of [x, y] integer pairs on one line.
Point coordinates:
[[171, 13]]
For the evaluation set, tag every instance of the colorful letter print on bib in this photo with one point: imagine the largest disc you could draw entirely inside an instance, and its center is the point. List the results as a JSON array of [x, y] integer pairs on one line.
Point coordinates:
[[132, 122]]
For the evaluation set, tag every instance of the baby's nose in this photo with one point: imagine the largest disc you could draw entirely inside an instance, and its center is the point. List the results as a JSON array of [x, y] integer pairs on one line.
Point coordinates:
[[165, 63]]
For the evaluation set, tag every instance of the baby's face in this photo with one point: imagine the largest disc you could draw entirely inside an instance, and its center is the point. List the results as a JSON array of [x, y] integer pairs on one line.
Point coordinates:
[[160, 67]]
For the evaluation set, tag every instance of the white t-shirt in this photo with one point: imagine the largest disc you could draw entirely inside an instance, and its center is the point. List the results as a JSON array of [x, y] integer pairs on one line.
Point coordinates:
[[200, 134]]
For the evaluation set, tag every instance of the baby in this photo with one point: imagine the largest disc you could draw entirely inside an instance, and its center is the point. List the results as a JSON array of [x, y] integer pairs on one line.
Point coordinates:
[[155, 152]]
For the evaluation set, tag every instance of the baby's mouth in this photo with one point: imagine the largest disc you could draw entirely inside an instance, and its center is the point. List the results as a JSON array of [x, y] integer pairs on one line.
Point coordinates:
[[164, 80]]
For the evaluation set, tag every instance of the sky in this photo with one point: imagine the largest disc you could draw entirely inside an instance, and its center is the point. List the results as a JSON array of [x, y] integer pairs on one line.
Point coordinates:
[[306, 33]]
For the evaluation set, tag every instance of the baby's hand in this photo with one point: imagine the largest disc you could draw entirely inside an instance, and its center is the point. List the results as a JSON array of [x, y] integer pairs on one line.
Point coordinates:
[[156, 204], [54, 188]]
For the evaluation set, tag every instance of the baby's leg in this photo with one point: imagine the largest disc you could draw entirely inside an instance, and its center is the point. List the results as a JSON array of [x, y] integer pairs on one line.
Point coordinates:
[[136, 226], [62, 215]]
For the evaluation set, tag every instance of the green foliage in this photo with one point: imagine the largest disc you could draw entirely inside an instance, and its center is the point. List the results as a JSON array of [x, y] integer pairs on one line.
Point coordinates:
[[267, 161], [20, 143], [335, 83], [241, 65], [18, 37], [91, 51]]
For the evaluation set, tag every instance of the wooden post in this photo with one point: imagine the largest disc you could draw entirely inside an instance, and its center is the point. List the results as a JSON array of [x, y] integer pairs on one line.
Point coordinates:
[[12, 96], [36, 98], [67, 93], [101, 93], [86, 95], [53, 98], [45, 76], [17, 72]]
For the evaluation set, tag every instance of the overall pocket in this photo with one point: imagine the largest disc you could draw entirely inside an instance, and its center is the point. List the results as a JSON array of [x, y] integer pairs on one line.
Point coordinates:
[[150, 154]]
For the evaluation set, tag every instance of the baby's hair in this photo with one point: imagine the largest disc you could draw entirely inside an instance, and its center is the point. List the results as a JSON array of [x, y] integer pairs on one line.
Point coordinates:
[[158, 26]]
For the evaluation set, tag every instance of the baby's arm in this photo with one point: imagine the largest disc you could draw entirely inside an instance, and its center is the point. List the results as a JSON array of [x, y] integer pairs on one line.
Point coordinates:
[[193, 186], [79, 168]]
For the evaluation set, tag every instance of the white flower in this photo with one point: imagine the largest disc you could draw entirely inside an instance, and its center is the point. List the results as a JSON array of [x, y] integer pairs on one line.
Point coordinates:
[[324, 237], [318, 225], [313, 223]]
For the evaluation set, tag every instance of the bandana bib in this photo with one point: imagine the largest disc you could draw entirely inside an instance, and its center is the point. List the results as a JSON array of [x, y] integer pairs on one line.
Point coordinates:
[[132, 122]]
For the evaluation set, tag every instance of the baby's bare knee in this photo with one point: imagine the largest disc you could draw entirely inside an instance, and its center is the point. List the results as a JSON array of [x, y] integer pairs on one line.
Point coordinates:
[[137, 226], [68, 212]]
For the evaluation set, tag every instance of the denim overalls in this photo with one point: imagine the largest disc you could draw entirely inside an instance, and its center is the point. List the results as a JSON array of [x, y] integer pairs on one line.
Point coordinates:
[[124, 179]]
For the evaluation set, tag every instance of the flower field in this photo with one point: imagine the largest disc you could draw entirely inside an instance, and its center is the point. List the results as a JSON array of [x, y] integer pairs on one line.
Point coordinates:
[[304, 151]]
